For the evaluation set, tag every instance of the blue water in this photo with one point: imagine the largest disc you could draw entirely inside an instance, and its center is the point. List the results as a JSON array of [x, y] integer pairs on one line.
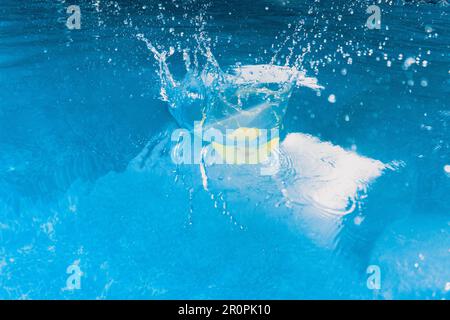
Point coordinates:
[[87, 180]]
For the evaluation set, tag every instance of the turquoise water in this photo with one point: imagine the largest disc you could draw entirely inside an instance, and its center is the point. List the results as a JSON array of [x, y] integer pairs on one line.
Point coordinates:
[[87, 180]]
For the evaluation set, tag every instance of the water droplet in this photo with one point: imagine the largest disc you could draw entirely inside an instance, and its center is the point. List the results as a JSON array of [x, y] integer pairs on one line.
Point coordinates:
[[331, 98], [408, 62], [447, 286], [447, 169], [358, 220]]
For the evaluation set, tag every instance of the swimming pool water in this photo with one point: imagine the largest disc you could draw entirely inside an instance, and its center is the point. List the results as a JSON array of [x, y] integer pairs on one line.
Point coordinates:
[[88, 186]]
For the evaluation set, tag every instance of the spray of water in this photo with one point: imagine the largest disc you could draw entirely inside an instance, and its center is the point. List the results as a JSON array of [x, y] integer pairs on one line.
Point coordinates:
[[320, 177]]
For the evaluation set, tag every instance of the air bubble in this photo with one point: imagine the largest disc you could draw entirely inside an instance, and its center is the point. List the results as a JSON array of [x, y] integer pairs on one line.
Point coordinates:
[[424, 83]]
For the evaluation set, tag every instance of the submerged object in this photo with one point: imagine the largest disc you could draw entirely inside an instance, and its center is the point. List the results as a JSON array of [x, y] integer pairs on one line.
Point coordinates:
[[246, 146]]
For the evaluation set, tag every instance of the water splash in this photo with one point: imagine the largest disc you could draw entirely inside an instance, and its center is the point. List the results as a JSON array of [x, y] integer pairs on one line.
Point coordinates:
[[251, 96], [318, 181]]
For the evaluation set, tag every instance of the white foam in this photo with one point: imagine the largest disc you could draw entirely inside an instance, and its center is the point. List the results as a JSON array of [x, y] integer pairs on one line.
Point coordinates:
[[268, 73]]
